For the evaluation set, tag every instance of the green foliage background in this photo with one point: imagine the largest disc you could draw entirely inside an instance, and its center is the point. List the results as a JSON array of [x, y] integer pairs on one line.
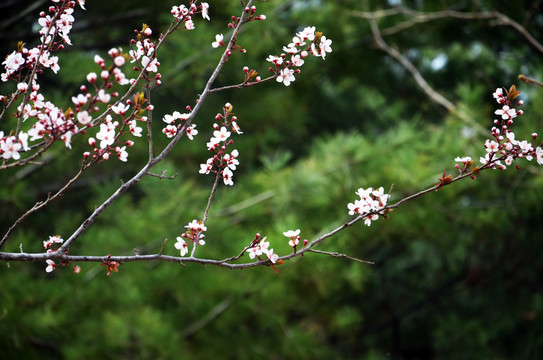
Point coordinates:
[[457, 273]]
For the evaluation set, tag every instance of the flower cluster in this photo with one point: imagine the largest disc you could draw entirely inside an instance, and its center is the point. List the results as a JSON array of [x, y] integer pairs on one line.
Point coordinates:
[[259, 246], [503, 149], [172, 128], [143, 54], [294, 238], [58, 24], [371, 204], [50, 120], [50, 246], [107, 139], [11, 145], [306, 41], [223, 163], [194, 233], [184, 14]]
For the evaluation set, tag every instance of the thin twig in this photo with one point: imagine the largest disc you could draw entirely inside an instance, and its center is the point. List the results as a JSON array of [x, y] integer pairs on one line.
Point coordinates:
[[340, 255]]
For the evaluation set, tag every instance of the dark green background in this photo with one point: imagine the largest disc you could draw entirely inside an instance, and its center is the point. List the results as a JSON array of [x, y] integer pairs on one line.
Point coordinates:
[[457, 273]]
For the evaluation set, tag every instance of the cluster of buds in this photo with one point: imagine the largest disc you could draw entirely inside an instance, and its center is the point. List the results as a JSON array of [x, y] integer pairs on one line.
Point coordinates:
[[193, 235], [305, 42], [222, 163], [50, 245], [250, 16], [219, 38], [371, 204]]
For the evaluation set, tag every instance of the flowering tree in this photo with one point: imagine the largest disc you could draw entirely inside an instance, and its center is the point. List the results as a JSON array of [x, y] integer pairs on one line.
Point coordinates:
[[112, 121]]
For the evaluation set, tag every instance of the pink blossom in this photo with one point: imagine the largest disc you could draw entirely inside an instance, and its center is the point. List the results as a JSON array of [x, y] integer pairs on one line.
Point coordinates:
[[182, 246], [150, 65], [83, 117], [221, 135], [196, 226], [307, 33], [13, 61], [205, 10], [134, 128], [106, 135], [50, 266], [539, 155], [189, 24], [277, 60], [297, 60], [191, 131], [286, 76], [79, 100], [227, 175], [506, 112], [121, 153], [57, 239], [119, 60], [91, 77], [103, 96], [206, 168], [218, 41], [10, 148], [170, 131], [463, 159], [120, 109]]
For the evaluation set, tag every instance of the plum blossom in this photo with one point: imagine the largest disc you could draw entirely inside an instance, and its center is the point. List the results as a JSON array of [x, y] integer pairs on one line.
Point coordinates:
[[50, 266], [205, 10], [506, 112], [294, 238], [324, 47], [106, 135], [170, 131], [539, 155], [221, 135], [13, 61], [150, 65], [491, 146], [134, 128], [462, 159], [79, 100], [83, 117], [227, 175], [191, 131], [179, 12], [277, 60], [230, 159], [120, 109], [218, 41], [498, 95], [206, 168], [56, 239], [10, 148], [182, 246], [121, 153], [286, 76]]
